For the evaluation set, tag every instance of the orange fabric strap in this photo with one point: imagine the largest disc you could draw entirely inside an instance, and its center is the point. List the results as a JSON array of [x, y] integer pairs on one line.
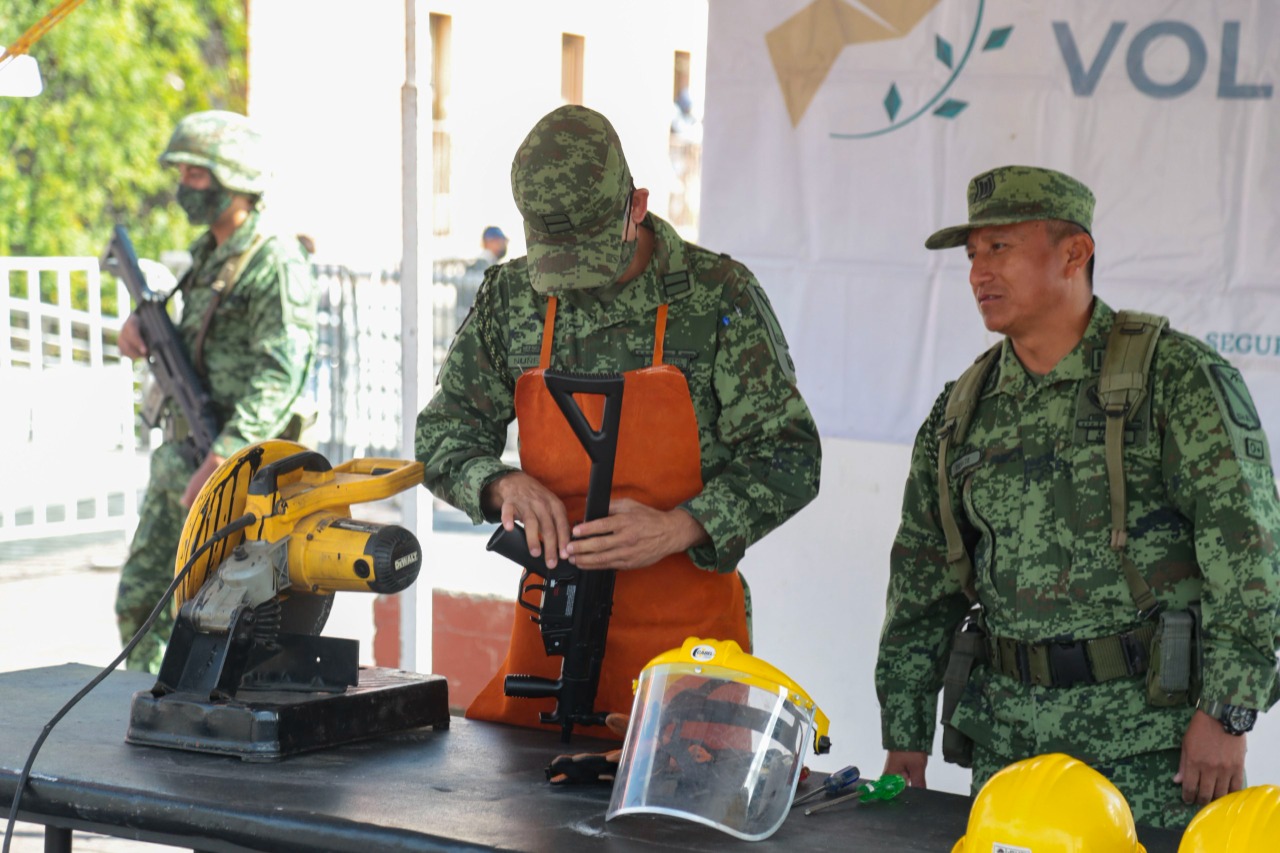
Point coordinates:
[[659, 334]]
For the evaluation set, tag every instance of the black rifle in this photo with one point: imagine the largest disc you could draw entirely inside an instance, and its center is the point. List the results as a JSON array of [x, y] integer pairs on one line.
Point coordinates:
[[165, 352], [574, 615]]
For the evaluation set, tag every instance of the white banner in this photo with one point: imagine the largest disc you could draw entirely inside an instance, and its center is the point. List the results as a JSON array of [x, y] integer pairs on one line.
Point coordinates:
[[841, 133]]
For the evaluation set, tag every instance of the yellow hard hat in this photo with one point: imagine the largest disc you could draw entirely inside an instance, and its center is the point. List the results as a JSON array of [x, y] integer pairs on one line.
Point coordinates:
[[1247, 821], [1021, 807]]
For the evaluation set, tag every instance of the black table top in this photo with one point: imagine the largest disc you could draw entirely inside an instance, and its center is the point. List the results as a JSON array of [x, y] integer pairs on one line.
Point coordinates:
[[471, 786]]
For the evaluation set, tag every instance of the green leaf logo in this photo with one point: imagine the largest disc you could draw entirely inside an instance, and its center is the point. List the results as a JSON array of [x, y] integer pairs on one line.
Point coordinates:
[[997, 38], [892, 101], [942, 48], [804, 48]]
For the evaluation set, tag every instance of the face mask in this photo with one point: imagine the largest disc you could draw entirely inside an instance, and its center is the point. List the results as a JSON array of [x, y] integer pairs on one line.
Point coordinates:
[[501, 253], [202, 206]]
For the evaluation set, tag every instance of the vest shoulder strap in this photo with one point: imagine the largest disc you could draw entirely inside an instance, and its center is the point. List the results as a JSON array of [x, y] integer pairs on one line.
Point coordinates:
[[1131, 345], [1122, 385], [228, 275], [962, 402]]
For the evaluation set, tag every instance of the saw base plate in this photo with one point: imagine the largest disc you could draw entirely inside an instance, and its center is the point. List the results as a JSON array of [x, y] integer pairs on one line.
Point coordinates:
[[269, 725]]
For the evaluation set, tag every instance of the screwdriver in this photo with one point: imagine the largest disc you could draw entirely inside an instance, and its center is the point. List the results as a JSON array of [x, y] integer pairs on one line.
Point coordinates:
[[885, 788], [832, 785]]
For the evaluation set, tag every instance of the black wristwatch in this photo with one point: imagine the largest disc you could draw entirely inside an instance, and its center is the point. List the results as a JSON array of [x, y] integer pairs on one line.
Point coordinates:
[[1235, 719]]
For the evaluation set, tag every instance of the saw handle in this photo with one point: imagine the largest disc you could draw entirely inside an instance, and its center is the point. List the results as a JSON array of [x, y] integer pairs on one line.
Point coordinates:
[[373, 478], [375, 466], [354, 481], [289, 489], [267, 480]]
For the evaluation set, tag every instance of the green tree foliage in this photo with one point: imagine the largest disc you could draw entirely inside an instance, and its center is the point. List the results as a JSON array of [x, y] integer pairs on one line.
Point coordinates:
[[118, 75]]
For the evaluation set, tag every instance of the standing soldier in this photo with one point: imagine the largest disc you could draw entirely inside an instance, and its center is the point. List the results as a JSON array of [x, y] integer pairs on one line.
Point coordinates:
[[248, 323], [716, 446], [1101, 488]]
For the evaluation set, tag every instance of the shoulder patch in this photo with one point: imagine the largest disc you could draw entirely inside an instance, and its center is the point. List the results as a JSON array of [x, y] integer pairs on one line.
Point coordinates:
[[773, 329], [1239, 415], [278, 260]]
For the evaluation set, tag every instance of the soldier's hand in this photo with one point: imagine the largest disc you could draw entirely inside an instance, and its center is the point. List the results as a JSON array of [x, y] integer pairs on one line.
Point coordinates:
[[1212, 763], [522, 498], [197, 481], [908, 765], [633, 536], [130, 341]]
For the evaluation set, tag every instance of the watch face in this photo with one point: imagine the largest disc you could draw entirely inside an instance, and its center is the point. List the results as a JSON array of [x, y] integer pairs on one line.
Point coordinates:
[[1237, 720]]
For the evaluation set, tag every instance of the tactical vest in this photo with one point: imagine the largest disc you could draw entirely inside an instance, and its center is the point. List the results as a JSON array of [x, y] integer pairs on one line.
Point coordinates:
[[1122, 384]]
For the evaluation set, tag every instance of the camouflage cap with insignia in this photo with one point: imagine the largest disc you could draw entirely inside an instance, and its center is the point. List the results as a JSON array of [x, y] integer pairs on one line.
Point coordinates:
[[1012, 194], [571, 184]]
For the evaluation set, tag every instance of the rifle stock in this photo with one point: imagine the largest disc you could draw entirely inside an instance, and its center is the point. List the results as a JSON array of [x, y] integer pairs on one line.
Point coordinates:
[[167, 356], [573, 617]]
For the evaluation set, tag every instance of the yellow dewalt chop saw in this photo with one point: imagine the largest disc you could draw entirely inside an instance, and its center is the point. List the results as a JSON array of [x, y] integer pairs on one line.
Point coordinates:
[[270, 539]]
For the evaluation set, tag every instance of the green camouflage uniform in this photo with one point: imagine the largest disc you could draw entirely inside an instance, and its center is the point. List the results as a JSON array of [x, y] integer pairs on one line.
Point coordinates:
[[1029, 488], [1201, 514], [257, 356], [760, 450]]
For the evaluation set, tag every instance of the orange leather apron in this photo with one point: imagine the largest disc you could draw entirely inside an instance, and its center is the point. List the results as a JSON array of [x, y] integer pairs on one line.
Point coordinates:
[[658, 464]]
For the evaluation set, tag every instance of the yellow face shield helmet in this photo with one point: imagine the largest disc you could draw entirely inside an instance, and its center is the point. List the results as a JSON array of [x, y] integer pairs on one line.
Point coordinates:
[[716, 736]]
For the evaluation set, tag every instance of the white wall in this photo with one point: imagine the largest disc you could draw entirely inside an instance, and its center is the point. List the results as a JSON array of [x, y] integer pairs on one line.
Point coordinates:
[[325, 81], [324, 86]]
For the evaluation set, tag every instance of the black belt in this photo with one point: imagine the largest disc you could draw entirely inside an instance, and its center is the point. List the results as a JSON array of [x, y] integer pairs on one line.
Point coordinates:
[[1064, 663]]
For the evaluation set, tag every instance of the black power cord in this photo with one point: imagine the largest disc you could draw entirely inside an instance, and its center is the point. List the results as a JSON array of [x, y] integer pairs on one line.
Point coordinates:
[[239, 524]]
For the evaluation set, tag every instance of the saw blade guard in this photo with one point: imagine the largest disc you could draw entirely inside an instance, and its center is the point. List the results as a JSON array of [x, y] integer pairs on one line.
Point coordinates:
[[220, 501], [296, 495]]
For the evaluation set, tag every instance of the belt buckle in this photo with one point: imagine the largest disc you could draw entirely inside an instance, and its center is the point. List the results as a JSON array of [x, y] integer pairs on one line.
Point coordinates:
[[1068, 663]]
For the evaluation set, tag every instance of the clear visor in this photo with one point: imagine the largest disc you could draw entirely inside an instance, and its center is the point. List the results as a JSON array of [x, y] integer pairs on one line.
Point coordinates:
[[707, 745]]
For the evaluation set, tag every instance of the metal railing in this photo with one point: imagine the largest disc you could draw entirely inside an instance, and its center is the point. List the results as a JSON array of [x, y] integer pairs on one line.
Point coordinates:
[[75, 454], [356, 383], [70, 452]]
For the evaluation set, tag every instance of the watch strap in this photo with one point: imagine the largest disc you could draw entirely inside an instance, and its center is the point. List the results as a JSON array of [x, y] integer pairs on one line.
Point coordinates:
[[1235, 720], [1212, 707]]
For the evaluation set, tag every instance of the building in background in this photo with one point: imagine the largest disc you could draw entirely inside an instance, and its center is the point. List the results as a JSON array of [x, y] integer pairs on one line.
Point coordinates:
[[327, 86]]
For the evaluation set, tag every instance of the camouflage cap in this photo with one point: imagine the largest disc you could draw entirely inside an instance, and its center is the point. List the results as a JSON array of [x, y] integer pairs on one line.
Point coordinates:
[[225, 143], [571, 184], [1012, 194]]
